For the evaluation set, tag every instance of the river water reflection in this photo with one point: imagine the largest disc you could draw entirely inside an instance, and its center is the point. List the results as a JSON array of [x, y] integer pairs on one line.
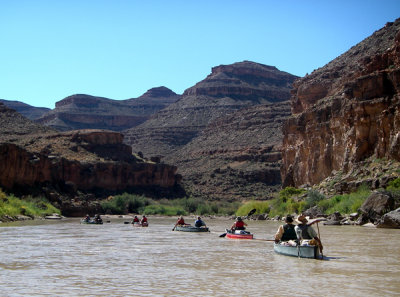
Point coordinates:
[[65, 258]]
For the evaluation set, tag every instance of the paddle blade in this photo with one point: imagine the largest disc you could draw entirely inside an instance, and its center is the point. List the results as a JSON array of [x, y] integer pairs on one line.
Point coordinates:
[[251, 212], [223, 235]]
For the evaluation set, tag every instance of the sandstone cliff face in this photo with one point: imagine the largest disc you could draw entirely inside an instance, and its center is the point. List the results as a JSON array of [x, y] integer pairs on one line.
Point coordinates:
[[90, 112], [345, 112], [89, 159]]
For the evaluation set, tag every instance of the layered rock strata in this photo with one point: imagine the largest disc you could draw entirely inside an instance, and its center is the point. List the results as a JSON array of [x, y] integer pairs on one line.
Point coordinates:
[[345, 112], [90, 112], [227, 89], [236, 157], [88, 159]]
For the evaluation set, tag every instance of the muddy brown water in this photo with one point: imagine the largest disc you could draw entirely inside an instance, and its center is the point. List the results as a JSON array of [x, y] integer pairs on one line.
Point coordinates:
[[65, 258]]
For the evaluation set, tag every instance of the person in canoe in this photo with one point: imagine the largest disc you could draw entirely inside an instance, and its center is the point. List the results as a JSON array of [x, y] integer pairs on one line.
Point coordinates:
[[306, 233], [286, 232], [144, 221], [135, 220], [87, 218], [180, 222], [199, 223], [98, 219], [238, 225]]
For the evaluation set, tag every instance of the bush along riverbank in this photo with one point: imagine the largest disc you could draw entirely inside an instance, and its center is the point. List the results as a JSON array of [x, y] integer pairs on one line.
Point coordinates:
[[14, 209], [380, 208], [130, 203]]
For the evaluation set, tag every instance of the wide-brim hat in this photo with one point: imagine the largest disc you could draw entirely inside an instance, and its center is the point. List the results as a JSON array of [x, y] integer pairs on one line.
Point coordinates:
[[301, 219]]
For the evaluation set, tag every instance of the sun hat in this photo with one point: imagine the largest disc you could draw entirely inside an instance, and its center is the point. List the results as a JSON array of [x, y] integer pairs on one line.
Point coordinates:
[[301, 219]]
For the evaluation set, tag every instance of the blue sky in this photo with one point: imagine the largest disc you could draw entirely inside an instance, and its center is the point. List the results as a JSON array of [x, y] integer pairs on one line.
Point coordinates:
[[119, 49]]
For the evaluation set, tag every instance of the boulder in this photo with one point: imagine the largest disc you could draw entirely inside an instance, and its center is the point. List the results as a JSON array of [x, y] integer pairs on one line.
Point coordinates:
[[334, 219], [261, 217], [390, 220], [376, 205], [314, 212], [336, 216]]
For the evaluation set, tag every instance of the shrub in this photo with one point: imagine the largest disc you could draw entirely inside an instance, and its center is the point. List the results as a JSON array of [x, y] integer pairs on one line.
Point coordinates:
[[164, 210], [347, 203], [124, 203], [394, 184], [289, 192], [313, 197]]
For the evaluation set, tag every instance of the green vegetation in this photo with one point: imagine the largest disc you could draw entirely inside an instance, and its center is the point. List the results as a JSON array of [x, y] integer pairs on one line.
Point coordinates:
[[260, 206], [394, 185], [288, 201], [129, 203], [347, 203], [31, 207], [291, 200], [394, 188]]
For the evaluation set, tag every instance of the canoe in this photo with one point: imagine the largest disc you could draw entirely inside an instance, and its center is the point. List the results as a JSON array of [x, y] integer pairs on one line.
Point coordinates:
[[91, 222], [303, 251], [189, 228], [53, 217], [145, 224], [239, 234]]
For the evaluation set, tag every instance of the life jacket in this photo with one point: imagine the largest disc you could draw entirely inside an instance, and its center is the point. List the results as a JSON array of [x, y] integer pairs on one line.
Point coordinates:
[[199, 223], [304, 231], [288, 232], [181, 222], [239, 225], [136, 220], [144, 220]]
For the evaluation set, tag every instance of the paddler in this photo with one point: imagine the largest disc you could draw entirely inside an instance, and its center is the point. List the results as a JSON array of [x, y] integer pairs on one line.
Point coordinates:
[[286, 232], [306, 233]]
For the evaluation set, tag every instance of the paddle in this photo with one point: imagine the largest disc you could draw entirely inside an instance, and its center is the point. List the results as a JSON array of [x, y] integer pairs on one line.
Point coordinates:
[[249, 214], [313, 221], [272, 240], [319, 236]]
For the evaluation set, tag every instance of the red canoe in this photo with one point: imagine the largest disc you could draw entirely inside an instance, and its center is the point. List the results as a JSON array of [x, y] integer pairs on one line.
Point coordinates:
[[239, 235]]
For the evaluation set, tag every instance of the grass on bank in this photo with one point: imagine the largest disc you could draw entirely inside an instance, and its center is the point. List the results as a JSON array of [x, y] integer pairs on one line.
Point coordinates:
[[130, 203], [291, 200], [31, 207]]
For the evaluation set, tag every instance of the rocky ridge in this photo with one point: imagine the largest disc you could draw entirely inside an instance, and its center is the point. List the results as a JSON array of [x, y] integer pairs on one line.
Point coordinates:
[[31, 112], [345, 112], [90, 112]]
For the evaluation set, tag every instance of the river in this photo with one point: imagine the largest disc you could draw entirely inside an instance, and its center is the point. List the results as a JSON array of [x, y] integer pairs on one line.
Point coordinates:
[[66, 258]]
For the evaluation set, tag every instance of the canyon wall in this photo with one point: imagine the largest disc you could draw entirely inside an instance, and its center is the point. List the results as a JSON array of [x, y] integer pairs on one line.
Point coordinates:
[[345, 112]]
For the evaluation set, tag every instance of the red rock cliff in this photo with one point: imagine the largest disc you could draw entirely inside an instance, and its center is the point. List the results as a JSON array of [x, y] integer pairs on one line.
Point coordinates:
[[87, 159], [345, 112]]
